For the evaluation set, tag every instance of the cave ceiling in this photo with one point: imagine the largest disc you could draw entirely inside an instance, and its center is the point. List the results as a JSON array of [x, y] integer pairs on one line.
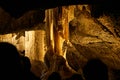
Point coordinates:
[[15, 12], [18, 7]]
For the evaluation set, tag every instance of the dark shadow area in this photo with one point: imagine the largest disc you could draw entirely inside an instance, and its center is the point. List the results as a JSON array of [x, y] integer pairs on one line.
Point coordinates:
[[107, 8], [95, 69], [10, 65], [75, 76], [26, 65], [116, 74], [13, 65], [19, 7], [54, 76]]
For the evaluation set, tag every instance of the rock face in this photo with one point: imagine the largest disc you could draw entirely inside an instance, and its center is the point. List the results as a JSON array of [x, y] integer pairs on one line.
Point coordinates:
[[93, 38], [27, 21]]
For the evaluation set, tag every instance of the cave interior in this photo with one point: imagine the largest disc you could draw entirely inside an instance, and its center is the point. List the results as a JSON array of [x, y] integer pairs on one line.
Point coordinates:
[[77, 30]]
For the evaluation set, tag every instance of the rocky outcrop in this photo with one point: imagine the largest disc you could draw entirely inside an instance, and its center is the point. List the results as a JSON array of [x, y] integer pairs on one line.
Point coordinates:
[[92, 37], [27, 21], [95, 38]]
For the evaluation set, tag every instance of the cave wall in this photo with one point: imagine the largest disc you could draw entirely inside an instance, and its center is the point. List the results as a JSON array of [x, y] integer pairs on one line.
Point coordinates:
[[12, 38], [94, 37], [35, 44]]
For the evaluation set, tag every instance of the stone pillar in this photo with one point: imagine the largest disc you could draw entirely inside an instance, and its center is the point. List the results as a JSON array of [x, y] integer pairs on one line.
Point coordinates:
[[49, 28], [61, 28]]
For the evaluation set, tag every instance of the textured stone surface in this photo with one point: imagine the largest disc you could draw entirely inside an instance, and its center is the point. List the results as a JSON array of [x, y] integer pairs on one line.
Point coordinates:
[[89, 37]]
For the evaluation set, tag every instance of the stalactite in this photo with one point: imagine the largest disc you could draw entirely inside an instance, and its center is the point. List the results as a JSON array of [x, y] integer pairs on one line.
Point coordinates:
[[58, 31], [49, 30]]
